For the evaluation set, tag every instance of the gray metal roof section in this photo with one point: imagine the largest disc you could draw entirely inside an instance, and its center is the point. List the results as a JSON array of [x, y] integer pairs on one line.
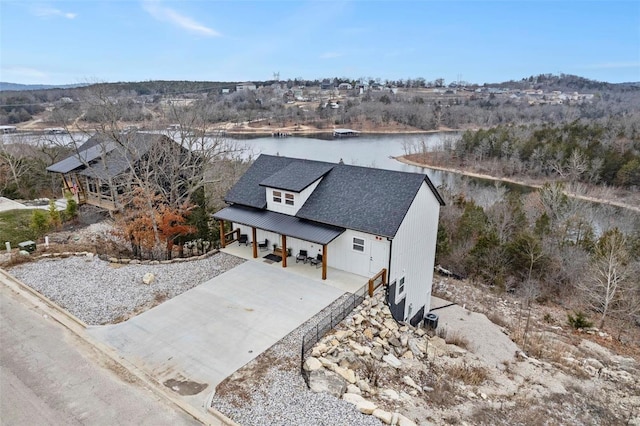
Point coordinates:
[[104, 157], [91, 150], [123, 157], [359, 198], [282, 224], [297, 175]]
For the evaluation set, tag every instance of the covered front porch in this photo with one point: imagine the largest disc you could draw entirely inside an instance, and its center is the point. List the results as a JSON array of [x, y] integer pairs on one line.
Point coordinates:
[[336, 278], [264, 232]]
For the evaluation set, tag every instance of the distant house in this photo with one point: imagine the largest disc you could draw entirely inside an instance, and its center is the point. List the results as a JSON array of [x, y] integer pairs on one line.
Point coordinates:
[[7, 129], [97, 173], [245, 86], [224, 91], [327, 84], [345, 86], [361, 220]]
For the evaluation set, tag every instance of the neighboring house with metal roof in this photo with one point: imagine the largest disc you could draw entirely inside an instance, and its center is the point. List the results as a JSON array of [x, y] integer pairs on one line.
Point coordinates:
[[96, 173], [358, 219]]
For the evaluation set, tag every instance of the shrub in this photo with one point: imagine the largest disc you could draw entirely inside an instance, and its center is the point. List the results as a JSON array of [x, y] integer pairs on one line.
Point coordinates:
[[39, 222], [71, 211], [579, 320], [54, 215]]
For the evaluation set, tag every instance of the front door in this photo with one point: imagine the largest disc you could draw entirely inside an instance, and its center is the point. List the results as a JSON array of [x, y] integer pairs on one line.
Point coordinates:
[[378, 257]]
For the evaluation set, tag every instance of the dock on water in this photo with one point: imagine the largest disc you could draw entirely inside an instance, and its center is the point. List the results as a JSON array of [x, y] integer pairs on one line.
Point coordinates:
[[345, 133]]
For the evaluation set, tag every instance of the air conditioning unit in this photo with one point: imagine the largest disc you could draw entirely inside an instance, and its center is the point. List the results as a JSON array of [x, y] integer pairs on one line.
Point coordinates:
[[431, 321]]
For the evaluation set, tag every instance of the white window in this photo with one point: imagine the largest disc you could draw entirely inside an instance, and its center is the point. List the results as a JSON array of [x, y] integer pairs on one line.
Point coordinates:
[[358, 244], [288, 199], [400, 286], [277, 197]]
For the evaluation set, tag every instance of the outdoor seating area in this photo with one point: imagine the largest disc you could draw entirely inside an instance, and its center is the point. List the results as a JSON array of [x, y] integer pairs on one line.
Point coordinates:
[[244, 239], [263, 245], [317, 261], [302, 256], [335, 278]]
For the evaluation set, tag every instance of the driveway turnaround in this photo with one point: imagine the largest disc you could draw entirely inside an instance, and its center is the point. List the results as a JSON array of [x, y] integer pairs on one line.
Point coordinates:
[[195, 340]]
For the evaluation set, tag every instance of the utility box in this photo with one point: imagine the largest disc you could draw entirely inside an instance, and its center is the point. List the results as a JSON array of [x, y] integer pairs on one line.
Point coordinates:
[[29, 246]]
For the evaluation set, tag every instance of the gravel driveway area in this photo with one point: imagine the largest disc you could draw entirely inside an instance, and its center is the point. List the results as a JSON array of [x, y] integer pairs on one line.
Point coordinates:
[[98, 292], [271, 391]]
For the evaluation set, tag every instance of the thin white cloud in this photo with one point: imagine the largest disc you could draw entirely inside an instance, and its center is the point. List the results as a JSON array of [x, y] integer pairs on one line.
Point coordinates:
[[166, 14], [615, 65], [44, 11], [331, 55], [23, 72]]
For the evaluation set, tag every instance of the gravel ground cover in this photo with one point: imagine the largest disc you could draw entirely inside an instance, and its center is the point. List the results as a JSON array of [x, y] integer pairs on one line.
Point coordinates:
[[275, 392], [271, 391], [98, 292]]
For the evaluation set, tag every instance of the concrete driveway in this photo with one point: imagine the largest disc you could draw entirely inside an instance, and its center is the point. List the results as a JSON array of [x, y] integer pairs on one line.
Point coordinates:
[[203, 335]]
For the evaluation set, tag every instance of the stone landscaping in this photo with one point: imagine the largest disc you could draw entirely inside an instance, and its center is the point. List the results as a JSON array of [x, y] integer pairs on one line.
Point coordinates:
[[360, 361], [404, 375]]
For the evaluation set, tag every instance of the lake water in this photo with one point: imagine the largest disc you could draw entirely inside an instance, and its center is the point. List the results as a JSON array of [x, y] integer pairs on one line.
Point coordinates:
[[377, 151]]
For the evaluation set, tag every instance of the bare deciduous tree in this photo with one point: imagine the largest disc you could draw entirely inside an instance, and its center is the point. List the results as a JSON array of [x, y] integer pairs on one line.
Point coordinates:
[[611, 276]]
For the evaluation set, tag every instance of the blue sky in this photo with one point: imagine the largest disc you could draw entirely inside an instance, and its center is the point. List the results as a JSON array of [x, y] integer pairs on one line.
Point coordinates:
[[62, 42]]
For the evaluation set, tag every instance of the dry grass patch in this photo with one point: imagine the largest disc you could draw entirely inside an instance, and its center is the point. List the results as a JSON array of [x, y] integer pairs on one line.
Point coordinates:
[[498, 319], [473, 375], [453, 338]]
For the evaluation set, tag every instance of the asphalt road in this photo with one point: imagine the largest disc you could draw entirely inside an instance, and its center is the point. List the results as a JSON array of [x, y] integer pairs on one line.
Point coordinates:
[[48, 376]]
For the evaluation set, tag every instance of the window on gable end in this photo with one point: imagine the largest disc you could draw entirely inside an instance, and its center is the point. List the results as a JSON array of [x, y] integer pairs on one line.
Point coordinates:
[[288, 199], [277, 196]]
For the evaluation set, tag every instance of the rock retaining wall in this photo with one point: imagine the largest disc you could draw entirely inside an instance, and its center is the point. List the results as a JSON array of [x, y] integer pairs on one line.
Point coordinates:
[[346, 363]]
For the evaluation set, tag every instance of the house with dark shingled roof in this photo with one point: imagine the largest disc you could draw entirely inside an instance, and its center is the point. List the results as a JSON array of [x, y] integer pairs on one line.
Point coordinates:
[[361, 220]]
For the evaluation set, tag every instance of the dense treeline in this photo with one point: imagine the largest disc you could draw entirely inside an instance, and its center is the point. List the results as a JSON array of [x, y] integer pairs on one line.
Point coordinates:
[[410, 105], [579, 151], [544, 246]]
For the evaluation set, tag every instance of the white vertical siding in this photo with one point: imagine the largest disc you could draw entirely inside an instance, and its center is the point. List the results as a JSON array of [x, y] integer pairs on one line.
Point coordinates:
[[340, 252], [413, 251], [341, 255], [299, 198], [303, 196]]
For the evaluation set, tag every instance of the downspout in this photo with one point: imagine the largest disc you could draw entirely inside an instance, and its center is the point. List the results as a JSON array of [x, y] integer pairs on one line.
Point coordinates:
[[389, 271]]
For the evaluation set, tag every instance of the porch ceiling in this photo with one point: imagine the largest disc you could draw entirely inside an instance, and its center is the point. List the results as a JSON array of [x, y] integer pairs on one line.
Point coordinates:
[[282, 224]]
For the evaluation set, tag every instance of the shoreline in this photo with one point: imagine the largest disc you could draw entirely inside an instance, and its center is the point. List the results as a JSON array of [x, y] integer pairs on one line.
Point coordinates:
[[329, 132], [405, 160]]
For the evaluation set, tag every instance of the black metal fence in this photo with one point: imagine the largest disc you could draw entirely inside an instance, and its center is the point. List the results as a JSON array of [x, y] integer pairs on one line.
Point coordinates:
[[329, 321]]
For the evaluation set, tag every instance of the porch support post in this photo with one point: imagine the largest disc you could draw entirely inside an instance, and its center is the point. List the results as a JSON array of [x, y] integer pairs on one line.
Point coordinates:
[[222, 237], [324, 261], [254, 244], [284, 251]]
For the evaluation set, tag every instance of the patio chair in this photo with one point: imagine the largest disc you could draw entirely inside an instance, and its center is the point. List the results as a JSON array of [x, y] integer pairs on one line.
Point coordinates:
[[244, 239], [263, 245], [302, 256], [316, 261]]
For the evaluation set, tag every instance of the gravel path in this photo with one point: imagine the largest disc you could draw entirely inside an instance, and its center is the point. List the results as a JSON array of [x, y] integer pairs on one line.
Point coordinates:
[[98, 292], [279, 395]]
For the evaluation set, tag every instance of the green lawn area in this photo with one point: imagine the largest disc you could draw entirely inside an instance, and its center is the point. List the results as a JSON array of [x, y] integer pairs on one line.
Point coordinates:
[[14, 227]]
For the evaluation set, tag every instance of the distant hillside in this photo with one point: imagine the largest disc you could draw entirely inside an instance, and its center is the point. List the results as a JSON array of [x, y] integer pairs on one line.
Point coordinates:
[[15, 87], [568, 83]]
